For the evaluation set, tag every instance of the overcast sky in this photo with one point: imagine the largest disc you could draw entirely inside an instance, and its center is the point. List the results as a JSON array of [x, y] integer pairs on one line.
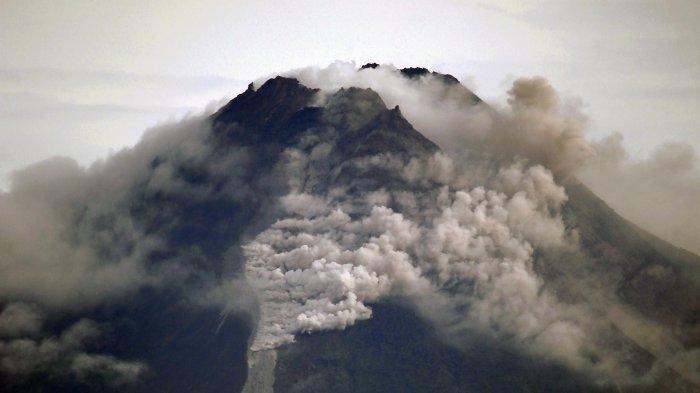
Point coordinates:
[[81, 78]]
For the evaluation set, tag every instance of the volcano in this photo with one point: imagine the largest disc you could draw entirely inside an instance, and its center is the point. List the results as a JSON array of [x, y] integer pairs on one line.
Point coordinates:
[[351, 253]]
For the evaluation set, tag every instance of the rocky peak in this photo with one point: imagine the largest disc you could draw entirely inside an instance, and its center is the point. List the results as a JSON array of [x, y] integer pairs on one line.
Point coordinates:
[[449, 80], [280, 110], [264, 112]]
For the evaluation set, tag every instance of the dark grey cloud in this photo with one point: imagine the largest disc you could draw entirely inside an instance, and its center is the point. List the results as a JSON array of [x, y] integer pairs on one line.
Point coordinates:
[[25, 350], [74, 239]]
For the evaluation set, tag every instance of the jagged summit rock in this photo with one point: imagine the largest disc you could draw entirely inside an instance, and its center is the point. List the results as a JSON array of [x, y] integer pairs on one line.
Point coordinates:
[[449, 80], [263, 112], [281, 110], [416, 72], [369, 65], [388, 132]]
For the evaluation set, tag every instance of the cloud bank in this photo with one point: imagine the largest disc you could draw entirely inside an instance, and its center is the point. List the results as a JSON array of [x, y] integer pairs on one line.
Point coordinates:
[[659, 193], [75, 239]]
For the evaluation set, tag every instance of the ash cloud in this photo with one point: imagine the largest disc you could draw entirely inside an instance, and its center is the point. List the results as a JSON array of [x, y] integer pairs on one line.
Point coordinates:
[[660, 193], [537, 126], [68, 238], [76, 240], [25, 350]]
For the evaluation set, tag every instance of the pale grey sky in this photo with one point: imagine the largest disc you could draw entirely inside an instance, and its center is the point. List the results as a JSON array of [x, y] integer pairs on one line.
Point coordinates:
[[81, 78]]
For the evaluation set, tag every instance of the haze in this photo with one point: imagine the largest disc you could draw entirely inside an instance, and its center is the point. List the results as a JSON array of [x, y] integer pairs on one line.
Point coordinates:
[[82, 78]]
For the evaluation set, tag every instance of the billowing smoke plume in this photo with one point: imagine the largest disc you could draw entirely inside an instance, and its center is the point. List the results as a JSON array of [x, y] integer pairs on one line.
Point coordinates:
[[659, 193], [464, 257], [538, 126]]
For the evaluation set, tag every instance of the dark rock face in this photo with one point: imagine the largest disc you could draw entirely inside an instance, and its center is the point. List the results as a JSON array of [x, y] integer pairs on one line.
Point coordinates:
[[187, 348], [447, 79], [259, 116], [278, 112]]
